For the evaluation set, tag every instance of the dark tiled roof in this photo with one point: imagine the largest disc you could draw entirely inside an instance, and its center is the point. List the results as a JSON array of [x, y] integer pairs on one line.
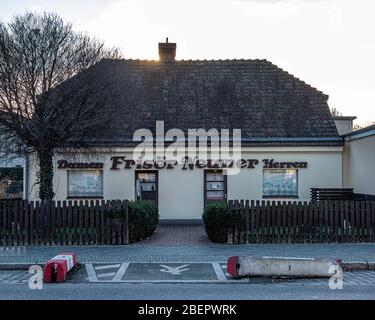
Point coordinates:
[[253, 95]]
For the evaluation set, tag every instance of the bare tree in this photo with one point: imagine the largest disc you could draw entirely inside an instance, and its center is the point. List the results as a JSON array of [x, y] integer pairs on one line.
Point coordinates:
[[39, 52], [359, 126]]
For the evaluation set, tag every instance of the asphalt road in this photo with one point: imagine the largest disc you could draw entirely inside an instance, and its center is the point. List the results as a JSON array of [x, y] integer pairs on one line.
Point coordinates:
[[183, 291], [14, 285], [171, 281]]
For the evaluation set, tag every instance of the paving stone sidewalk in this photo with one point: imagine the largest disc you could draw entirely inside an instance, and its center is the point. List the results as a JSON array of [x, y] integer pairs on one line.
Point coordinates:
[[178, 235], [187, 253]]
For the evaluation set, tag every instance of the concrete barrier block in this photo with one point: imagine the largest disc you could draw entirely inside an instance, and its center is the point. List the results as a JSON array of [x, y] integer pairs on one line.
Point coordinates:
[[281, 267]]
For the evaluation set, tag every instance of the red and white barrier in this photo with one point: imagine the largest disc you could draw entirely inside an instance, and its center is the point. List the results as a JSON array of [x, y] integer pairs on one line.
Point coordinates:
[[56, 269], [238, 266]]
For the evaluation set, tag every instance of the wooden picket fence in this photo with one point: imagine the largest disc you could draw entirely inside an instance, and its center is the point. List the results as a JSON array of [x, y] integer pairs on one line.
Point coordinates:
[[63, 222], [301, 222]]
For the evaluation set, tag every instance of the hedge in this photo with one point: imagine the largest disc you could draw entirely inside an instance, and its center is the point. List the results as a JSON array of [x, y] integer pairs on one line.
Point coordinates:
[[216, 220], [143, 219]]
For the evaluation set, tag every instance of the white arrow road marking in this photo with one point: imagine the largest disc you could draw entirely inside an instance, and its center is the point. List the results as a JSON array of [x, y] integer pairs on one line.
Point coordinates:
[[110, 266], [120, 273], [174, 270]]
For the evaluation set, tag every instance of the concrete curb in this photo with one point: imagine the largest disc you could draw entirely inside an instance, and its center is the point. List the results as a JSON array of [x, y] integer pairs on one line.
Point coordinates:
[[358, 265], [18, 266]]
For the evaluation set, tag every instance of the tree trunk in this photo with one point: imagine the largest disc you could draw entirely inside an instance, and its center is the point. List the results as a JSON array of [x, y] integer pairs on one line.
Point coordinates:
[[45, 175]]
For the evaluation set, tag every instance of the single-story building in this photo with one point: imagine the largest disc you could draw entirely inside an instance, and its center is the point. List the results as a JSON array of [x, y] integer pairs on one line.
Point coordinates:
[[359, 159], [289, 140]]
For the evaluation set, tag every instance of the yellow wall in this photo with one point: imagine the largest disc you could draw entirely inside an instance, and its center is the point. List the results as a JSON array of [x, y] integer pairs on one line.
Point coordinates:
[[181, 191]]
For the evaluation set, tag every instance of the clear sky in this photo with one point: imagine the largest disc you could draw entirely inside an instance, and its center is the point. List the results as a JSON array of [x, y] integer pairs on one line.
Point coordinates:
[[330, 44]]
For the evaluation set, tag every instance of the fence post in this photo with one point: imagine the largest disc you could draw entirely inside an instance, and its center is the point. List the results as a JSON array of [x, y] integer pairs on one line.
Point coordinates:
[[247, 221], [92, 222], [295, 222], [262, 217], [236, 224], [367, 223], [102, 222], [364, 222], [3, 228], [346, 221], [231, 226], [289, 223], [267, 218], [252, 216], [357, 221], [372, 221], [125, 204], [241, 227]]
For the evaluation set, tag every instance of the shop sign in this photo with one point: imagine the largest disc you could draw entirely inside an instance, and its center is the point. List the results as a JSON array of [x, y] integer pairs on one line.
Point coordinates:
[[119, 162]]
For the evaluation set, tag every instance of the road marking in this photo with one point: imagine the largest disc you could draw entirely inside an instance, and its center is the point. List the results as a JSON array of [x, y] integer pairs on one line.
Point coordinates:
[[166, 281], [91, 272], [103, 275], [219, 271], [174, 270], [110, 266], [120, 273]]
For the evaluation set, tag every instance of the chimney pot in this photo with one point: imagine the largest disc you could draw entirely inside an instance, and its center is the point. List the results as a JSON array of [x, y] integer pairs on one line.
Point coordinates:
[[167, 51]]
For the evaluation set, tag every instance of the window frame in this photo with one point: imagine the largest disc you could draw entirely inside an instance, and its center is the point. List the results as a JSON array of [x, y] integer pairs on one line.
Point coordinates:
[[205, 190], [84, 197], [156, 172], [296, 196]]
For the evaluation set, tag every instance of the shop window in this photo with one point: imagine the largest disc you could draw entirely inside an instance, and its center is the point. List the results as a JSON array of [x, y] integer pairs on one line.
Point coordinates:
[[85, 183], [280, 183]]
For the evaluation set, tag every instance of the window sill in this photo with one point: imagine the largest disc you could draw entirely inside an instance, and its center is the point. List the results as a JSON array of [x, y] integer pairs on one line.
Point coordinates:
[[83, 198], [280, 197]]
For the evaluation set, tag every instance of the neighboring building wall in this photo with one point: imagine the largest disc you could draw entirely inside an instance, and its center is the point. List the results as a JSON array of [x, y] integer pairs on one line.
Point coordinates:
[[181, 192], [358, 164]]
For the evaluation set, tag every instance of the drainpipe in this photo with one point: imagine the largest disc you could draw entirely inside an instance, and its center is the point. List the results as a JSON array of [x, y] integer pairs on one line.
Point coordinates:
[[26, 175]]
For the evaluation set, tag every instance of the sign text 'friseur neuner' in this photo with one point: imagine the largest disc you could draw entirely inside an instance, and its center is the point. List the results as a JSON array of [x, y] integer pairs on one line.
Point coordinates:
[[120, 162]]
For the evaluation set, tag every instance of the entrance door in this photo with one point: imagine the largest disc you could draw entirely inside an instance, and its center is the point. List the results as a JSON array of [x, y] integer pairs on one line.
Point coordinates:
[[215, 186], [146, 186]]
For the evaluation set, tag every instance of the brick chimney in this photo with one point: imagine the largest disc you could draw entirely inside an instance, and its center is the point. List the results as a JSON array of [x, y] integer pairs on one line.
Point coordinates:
[[167, 51], [344, 124]]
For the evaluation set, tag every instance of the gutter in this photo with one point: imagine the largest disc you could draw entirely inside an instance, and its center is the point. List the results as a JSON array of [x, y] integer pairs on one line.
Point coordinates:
[[355, 135], [292, 139], [230, 139]]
